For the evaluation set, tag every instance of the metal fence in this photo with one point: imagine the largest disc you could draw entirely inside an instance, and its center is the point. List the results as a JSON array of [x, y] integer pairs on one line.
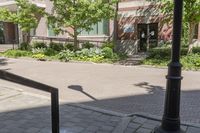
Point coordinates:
[[30, 83], [97, 43]]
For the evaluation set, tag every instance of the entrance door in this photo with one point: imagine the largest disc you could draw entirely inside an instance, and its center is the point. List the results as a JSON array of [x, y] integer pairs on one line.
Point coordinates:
[[148, 36], [142, 36]]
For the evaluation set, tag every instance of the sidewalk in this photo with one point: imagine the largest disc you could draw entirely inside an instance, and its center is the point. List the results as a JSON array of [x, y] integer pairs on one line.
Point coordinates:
[[24, 112]]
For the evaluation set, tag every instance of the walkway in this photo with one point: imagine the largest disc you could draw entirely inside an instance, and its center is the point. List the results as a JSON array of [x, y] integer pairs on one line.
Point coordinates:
[[121, 89], [22, 112]]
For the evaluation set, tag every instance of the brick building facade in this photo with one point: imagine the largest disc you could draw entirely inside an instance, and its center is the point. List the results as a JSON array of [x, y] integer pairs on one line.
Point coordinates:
[[138, 27]]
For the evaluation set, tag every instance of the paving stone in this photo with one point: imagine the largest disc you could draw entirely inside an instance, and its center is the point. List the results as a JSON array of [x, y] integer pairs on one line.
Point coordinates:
[[34, 116], [134, 125], [139, 120], [193, 130], [148, 126], [143, 130]]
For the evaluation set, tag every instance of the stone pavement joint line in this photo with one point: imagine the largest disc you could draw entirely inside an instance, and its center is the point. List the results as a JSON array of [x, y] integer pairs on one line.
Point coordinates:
[[25, 113]]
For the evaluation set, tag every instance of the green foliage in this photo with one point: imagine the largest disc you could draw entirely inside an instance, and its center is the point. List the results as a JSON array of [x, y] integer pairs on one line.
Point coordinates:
[[70, 46], [107, 52], [196, 50], [191, 62], [66, 55], [17, 53], [56, 46], [79, 15], [89, 52], [39, 56], [25, 46], [108, 44], [39, 45], [191, 17], [87, 45], [161, 57], [38, 50], [26, 16], [163, 53], [50, 52]]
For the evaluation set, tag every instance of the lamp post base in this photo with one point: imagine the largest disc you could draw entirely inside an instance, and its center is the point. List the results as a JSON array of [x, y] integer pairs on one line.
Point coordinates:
[[160, 130]]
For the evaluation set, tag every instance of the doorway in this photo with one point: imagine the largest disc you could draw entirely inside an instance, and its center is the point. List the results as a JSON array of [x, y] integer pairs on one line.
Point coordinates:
[[148, 36]]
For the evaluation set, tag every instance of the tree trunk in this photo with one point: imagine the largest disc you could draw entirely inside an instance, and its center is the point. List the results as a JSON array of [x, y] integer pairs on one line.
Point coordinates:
[[76, 44], [191, 35], [115, 34]]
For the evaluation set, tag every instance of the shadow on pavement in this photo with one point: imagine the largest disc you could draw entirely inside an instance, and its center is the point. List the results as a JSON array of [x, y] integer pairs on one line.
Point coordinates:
[[37, 119]]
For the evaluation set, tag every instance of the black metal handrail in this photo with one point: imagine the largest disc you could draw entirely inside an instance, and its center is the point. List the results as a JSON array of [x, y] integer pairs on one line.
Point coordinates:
[[30, 83]]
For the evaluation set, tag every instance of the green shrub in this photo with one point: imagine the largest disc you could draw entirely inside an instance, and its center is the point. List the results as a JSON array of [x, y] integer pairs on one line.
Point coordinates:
[[191, 61], [39, 45], [108, 44], [50, 52], [163, 53], [196, 50], [107, 52], [87, 45], [66, 55], [39, 57], [69, 46], [38, 50], [16, 53], [25, 46], [56, 46], [89, 52]]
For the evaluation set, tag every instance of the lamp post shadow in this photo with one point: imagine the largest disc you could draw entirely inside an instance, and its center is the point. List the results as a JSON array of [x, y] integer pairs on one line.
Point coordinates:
[[80, 89]]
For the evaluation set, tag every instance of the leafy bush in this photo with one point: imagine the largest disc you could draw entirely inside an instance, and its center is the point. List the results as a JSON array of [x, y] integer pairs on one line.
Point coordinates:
[[50, 52], [25, 46], [56, 46], [39, 57], [38, 50], [87, 45], [196, 50], [108, 44], [66, 55], [89, 52], [70, 46], [191, 61], [16, 53], [107, 52], [163, 53], [39, 45]]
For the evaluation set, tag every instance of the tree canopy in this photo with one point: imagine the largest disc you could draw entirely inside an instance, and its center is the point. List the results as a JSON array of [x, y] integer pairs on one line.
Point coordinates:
[[78, 15], [191, 16], [26, 15]]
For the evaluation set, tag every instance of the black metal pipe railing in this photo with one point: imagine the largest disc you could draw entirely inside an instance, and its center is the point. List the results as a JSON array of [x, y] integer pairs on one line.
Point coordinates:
[[30, 83]]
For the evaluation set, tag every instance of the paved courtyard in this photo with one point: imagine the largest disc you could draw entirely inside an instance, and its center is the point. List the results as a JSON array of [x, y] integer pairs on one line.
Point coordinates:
[[117, 88], [22, 112]]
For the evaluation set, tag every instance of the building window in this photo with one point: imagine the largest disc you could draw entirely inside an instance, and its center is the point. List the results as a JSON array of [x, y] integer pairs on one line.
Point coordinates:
[[101, 28], [51, 31], [32, 32]]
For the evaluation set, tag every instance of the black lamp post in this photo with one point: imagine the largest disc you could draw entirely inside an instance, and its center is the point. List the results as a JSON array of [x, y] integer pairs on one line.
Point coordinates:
[[171, 117]]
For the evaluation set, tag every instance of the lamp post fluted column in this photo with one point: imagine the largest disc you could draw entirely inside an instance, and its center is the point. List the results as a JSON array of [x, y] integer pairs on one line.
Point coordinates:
[[171, 118]]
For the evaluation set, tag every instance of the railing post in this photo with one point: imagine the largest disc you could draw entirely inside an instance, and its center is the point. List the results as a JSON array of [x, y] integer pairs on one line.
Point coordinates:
[[55, 111]]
